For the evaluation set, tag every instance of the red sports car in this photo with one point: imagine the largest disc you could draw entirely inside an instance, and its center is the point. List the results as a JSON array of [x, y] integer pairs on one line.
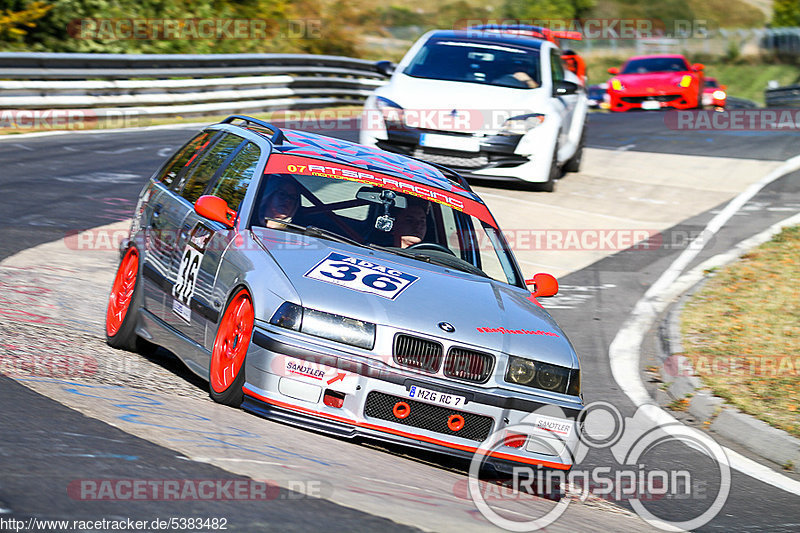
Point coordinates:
[[714, 94], [656, 81]]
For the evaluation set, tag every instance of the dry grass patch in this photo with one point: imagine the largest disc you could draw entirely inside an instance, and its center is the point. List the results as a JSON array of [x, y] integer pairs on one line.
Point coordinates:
[[742, 332]]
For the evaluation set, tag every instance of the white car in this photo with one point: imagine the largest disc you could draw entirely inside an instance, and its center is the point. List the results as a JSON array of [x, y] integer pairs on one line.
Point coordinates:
[[485, 103]]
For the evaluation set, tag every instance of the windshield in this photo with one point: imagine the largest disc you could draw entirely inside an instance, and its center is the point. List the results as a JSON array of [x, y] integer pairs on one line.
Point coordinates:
[[475, 62], [711, 82], [346, 204], [655, 64]]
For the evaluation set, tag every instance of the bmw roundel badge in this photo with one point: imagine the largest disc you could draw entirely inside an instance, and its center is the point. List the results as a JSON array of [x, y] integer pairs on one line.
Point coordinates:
[[447, 326]]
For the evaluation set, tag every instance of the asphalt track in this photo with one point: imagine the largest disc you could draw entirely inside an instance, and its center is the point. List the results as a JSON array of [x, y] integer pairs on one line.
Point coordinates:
[[52, 185]]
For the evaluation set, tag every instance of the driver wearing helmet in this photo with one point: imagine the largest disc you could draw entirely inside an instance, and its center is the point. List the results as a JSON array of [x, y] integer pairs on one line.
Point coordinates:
[[279, 202], [411, 223]]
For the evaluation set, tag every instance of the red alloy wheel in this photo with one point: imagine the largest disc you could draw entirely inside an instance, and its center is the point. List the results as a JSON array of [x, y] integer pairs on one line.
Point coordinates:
[[122, 292], [233, 339]]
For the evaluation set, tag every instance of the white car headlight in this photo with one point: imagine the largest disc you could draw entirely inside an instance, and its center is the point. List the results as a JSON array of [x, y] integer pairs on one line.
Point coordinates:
[[326, 325], [393, 114], [521, 124]]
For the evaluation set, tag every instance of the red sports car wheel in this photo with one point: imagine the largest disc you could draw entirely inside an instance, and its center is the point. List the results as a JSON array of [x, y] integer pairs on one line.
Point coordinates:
[[226, 375], [119, 301]]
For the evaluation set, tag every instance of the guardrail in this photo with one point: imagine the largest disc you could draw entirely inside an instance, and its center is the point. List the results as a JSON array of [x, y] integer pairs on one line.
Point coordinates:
[[788, 96], [168, 85]]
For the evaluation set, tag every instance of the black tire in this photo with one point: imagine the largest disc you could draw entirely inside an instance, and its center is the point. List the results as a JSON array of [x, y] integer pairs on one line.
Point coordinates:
[[233, 396], [223, 386], [555, 174], [574, 162], [122, 335]]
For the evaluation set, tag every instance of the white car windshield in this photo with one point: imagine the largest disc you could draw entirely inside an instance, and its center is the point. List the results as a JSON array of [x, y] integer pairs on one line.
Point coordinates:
[[477, 62], [348, 210]]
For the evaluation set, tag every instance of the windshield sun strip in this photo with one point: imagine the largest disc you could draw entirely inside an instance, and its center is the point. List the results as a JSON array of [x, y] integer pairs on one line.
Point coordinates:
[[481, 45], [306, 166]]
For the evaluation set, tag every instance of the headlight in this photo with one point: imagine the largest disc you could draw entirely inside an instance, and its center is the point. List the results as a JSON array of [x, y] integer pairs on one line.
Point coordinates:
[[393, 114], [543, 376], [616, 84], [686, 80], [719, 95], [574, 382], [326, 325], [522, 124], [520, 371]]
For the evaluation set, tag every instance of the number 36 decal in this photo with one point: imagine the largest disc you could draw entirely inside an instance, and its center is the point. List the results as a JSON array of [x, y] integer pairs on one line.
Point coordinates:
[[361, 275], [183, 290]]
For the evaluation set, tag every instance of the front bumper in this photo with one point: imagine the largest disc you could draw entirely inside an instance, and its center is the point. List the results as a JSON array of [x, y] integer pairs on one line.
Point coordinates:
[[709, 100], [496, 157], [370, 387], [627, 101]]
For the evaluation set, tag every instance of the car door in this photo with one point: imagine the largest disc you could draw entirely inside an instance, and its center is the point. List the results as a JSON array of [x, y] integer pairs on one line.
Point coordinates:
[[162, 217], [564, 104], [199, 244]]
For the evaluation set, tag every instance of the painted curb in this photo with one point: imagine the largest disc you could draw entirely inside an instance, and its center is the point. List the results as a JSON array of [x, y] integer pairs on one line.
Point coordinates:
[[625, 350]]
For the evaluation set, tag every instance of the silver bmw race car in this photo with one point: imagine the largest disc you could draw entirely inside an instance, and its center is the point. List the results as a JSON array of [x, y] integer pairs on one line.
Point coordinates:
[[326, 284]]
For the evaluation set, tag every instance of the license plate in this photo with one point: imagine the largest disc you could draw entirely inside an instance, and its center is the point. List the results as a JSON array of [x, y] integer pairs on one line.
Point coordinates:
[[436, 397], [651, 104], [450, 142]]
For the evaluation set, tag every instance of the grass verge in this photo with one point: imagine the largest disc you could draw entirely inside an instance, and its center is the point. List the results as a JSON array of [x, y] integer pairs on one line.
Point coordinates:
[[742, 332]]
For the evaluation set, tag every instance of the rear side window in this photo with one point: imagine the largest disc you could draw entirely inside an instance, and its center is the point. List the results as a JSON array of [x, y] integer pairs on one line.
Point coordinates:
[[183, 158], [213, 161], [232, 184]]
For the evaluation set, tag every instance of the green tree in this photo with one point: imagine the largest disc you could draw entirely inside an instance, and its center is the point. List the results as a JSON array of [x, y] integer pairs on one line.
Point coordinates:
[[18, 19], [527, 10], [58, 29], [785, 13]]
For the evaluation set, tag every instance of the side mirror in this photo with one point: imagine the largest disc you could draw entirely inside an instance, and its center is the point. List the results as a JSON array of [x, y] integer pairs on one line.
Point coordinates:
[[723, 87], [697, 67], [385, 67], [544, 285], [215, 208], [613, 70], [564, 87]]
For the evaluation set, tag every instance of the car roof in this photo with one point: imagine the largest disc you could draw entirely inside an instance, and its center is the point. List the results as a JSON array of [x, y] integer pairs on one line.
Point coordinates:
[[307, 144], [666, 56], [492, 37]]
